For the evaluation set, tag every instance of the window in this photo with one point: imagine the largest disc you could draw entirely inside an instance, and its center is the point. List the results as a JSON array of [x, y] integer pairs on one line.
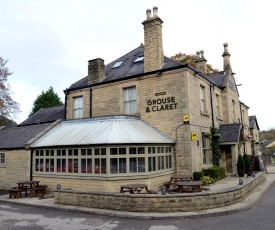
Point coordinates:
[[205, 150], [100, 161], [218, 105], [202, 98], [233, 110], [139, 58], [2, 158], [117, 64], [130, 105], [78, 107]]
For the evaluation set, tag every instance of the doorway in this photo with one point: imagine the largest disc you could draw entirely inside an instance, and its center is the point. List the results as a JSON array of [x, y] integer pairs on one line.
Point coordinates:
[[228, 158]]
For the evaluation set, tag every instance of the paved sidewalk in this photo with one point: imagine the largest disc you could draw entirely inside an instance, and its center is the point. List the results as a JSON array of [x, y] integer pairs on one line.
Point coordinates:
[[228, 182]]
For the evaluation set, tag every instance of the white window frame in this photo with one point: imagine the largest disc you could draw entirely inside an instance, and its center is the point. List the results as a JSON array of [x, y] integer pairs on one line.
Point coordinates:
[[218, 105], [78, 107], [2, 159], [234, 110], [104, 161], [202, 99], [206, 153], [130, 100]]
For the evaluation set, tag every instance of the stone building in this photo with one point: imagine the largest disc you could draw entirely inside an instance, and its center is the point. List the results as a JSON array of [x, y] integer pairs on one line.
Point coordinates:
[[142, 118], [15, 152]]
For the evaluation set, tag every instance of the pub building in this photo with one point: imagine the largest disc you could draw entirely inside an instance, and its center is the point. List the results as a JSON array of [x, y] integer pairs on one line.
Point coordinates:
[[140, 119]]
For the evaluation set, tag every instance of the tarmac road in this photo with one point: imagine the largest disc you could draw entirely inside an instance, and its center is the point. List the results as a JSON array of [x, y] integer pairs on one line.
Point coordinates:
[[14, 216]]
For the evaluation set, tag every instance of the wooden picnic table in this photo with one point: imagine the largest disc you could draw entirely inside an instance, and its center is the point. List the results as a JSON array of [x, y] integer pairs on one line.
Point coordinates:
[[27, 185], [177, 178], [134, 188], [189, 186]]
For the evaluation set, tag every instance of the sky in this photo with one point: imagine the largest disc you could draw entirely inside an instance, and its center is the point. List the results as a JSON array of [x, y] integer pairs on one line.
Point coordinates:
[[49, 42]]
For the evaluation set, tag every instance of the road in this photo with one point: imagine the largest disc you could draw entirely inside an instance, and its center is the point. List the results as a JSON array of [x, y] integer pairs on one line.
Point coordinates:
[[13, 216]]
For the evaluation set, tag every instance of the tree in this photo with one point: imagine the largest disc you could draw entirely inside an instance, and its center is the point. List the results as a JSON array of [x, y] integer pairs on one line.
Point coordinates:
[[240, 166], [8, 106], [246, 163], [190, 59], [45, 100]]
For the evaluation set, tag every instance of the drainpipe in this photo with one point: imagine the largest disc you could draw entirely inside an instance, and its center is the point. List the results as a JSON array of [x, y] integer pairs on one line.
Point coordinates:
[[211, 101], [31, 164], [91, 102], [66, 93], [242, 128]]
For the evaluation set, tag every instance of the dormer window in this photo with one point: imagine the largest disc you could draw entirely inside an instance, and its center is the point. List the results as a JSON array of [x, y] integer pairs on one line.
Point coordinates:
[[117, 64], [139, 58]]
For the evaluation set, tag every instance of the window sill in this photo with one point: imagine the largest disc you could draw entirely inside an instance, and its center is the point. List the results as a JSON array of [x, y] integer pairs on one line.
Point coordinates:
[[2, 165], [205, 114], [219, 118]]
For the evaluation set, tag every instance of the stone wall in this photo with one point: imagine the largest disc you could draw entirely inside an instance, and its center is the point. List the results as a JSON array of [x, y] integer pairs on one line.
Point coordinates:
[[16, 168], [159, 203], [103, 184]]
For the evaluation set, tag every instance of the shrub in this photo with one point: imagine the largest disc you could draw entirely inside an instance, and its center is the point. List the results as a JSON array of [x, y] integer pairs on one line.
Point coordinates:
[[216, 172], [240, 166], [207, 180], [198, 175], [246, 163]]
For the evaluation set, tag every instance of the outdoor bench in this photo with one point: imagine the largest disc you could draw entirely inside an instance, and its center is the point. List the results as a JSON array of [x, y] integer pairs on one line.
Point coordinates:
[[15, 192], [41, 190]]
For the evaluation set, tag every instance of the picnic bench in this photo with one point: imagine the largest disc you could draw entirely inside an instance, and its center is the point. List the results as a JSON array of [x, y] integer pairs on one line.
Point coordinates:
[[15, 192], [136, 189], [40, 190], [32, 187], [174, 179]]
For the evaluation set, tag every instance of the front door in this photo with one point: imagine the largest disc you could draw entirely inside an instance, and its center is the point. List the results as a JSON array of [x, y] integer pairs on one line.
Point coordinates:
[[228, 159]]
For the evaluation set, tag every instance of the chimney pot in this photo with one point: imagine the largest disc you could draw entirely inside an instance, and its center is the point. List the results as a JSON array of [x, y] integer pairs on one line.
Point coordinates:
[[225, 45], [148, 13], [202, 54], [155, 11], [198, 54]]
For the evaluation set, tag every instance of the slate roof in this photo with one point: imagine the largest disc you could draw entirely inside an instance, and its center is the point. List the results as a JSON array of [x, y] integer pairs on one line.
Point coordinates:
[[127, 69], [15, 138], [230, 132], [217, 78], [105, 130], [45, 115], [253, 122]]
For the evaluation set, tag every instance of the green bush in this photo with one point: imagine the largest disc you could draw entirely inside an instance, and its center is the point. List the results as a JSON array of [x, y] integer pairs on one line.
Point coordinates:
[[197, 175], [216, 172], [207, 180], [240, 166], [246, 162]]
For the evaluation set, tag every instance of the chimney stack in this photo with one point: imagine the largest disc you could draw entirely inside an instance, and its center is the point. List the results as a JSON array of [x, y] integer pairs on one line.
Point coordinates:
[[96, 71], [201, 62], [153, 48], [226, 57]]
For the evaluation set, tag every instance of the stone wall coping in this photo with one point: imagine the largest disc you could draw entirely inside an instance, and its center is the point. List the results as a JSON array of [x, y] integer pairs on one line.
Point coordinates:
[[204, 193]]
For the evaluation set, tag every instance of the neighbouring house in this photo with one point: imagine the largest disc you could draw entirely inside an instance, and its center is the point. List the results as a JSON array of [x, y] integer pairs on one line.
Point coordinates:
[[255, 133], [268, 144], [142, 118], [15, 152]]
